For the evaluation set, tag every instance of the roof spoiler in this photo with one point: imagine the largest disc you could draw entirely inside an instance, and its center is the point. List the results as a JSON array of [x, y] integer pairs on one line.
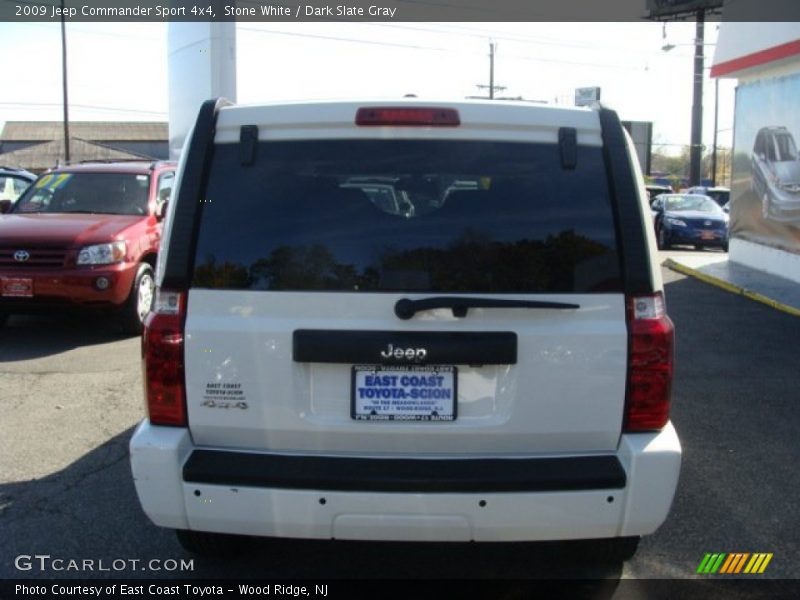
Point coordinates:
[[636, 273], [188, 208]]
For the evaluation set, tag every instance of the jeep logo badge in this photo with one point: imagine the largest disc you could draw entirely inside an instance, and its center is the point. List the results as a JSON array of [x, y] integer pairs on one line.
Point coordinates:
[[407, 353], [21, 255]]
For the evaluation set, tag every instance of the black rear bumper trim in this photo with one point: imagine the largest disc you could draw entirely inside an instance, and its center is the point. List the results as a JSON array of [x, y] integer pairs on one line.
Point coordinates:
[[218, 467]]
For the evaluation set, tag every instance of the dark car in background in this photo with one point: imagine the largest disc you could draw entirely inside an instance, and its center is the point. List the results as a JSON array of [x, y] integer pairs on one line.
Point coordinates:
[[776, 174], [13, 182], [654, 190], [720, 195], [85, 237], [689, 219]]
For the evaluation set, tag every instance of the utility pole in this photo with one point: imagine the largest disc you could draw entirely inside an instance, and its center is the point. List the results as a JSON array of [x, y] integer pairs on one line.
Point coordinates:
[[696, 148], [491, 70], [716, 125], [492, 87], [64, 82]]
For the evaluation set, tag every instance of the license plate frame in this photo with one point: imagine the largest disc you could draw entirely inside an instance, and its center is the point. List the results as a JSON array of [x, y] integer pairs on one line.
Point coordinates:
[[399, 406], [16, 287], [708, 235]]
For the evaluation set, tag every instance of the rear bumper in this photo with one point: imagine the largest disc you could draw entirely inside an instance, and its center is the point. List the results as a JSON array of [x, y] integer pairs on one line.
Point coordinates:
[[431, 476], [522, 499]]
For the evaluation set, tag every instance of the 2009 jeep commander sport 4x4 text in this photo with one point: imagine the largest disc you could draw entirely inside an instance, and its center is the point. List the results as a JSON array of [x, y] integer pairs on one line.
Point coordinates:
[[407, 321]]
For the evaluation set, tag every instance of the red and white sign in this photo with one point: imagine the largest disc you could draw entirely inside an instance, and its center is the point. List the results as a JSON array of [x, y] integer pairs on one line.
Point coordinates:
[[744, 46]]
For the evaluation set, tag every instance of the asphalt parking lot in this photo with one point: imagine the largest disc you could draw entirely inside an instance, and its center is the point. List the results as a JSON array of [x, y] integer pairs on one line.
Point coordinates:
[[70, 396]]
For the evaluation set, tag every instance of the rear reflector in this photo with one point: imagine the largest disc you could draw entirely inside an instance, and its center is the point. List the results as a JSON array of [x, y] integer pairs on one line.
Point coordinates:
[[162, 360], [407, 116], [649, 383]]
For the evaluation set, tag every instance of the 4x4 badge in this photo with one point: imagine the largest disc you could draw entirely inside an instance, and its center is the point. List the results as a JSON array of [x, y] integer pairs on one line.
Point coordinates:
[[407, 353], [21, 255]]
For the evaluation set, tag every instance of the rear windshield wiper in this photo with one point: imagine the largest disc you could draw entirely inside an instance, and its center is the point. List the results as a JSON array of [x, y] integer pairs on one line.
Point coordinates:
[[406, 308]]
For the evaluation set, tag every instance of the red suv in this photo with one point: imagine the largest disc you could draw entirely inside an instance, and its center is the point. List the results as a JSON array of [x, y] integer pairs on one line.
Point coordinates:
[[85, 236]]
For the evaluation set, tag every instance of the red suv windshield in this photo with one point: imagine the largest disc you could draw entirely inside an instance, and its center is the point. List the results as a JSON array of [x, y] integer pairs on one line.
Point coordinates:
[[104, 193]]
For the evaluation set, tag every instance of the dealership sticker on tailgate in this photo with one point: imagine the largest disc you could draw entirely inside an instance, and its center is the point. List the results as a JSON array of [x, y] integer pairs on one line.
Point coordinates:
[[404, 393]]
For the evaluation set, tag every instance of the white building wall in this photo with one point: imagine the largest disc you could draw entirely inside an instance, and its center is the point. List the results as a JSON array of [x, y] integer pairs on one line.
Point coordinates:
[[202, 65]]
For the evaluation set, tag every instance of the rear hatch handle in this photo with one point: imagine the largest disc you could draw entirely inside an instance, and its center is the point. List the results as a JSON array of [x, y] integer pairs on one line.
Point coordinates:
[[405, 308]]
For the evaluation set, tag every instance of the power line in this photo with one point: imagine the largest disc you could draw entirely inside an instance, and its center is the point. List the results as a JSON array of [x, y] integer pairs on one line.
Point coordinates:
[[438, 49], [341, 39], [85, 106], [75, 28], [464, 32], [512, 37]]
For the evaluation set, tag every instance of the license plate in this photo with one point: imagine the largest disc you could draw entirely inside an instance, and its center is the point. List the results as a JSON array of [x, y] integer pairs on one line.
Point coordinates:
[[404, 393], [707, 235], [19, 287]]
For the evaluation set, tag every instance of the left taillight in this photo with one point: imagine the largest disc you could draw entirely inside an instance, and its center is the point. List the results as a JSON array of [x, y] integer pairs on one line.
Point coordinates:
[[162, 360]]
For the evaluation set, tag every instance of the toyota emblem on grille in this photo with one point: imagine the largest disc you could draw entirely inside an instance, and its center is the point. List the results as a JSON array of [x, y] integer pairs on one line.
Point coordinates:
[[707, 223], [21, 255]]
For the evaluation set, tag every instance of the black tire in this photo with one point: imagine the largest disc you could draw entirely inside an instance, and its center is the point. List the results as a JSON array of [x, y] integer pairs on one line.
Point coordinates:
[[623, 548], [133, 312], [699, 247], [725, 247], [661, 239], [212, 545], [614, 550]]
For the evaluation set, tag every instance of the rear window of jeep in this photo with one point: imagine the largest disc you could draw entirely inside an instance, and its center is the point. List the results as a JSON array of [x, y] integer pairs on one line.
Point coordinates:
[[407, 215]]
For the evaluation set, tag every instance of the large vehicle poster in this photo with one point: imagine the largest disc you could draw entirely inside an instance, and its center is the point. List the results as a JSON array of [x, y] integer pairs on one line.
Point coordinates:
[[765, 194]]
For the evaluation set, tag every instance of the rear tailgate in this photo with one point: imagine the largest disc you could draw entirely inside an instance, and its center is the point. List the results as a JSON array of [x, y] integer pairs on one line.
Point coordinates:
[[564, 394], [305, 239]]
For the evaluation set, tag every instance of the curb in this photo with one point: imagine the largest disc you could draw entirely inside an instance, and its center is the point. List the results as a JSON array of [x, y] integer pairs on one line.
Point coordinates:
[[729, 287]]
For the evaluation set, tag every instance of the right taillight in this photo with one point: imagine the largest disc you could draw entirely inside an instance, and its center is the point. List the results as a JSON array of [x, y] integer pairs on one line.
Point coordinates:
[[162, 360], [649, 382]]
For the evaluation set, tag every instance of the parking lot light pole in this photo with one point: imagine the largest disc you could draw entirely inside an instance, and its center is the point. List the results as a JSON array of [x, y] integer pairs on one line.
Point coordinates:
[[696, 148], [696, 143], [716, 127]]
